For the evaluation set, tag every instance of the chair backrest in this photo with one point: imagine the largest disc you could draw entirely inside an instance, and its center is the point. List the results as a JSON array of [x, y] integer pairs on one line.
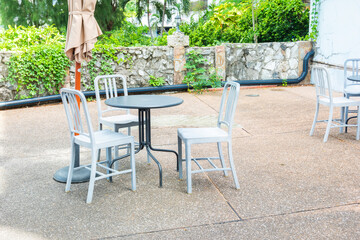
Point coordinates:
[[74, 112], [108, 84], [228, 104], [351, 68], [320, 77]]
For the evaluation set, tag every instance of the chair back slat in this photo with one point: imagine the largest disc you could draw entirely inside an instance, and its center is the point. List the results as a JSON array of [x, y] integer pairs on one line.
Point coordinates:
[[228, 104], [73, 112], [108, 83], [351, 68], [320, 77]]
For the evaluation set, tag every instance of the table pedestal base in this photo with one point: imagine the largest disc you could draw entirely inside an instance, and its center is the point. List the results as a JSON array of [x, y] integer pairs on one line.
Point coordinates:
[[79, 176]]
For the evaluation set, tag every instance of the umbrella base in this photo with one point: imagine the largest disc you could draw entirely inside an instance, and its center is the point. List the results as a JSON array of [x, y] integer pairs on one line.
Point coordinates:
[[79, 175]]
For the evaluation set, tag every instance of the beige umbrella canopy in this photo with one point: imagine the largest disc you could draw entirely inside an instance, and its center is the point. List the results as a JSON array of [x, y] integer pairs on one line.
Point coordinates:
[[82, 30]]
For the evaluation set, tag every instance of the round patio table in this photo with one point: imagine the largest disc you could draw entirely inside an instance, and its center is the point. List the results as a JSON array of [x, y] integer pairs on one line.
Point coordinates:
[[144, 103], [355, 78]]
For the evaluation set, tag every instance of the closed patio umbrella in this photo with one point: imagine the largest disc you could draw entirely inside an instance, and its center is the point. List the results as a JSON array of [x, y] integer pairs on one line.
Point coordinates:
[[82, 30], [81, 36]]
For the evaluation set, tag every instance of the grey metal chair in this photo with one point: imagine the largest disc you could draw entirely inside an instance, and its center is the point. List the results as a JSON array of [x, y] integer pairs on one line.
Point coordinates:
[[123, 117], [82, 134], [324, 96], [351, 88], [211, 135]]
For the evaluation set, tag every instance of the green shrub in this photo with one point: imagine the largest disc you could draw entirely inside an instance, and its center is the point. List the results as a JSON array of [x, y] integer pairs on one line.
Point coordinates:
[[282, 20], [162, 40], [276, 21], [22, 37], [128, 36], [40, 69], [156, 81], [39, 65], [199, 74]]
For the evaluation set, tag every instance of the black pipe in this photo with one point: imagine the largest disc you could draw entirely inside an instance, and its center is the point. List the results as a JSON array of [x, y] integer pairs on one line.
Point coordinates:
[[179, 87]]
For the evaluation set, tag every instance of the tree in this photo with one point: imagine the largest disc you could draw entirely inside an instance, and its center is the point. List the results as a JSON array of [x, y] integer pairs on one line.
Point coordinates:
[[109, 13], [169, 5], [33, 12]]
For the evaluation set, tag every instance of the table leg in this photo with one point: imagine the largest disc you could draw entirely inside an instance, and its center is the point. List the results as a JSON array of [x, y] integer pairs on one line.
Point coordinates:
[[148, 135], [147, 141], [347, 121]]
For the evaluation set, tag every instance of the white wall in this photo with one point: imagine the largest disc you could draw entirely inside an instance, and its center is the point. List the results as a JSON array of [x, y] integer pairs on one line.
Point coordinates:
[[339, 36]]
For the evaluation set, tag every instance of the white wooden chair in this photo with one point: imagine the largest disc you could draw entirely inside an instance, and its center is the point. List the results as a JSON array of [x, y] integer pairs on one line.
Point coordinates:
[[82, 134], [324, 96], [211, 135]]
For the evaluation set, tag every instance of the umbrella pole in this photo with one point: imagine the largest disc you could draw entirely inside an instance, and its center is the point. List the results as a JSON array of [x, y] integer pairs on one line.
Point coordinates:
[[77, 87], [77, 79], [79, 175]]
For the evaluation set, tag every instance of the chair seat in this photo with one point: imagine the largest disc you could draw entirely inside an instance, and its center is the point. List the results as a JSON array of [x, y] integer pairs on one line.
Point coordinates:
[[203, 135], [353, 89], [119, 119], [340, 101], [103, 139]]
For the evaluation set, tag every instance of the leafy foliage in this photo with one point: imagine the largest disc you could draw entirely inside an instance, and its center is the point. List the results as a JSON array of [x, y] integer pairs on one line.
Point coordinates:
[[314, 33], [40, 63], [277, 20], [40, 69], [282, 20], [101, 63], [109, 14], [199, 74], [37, 13], [162, 40], [21, 37], [128, 35], [156, 81]]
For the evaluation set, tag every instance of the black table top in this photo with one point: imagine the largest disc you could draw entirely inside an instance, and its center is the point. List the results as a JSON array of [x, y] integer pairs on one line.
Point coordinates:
[[354, 78], [143, 101]]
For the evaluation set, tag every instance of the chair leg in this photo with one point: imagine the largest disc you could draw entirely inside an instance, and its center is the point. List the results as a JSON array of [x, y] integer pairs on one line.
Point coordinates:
[[343, 120], [232, 166], [71, 168], [132, 165], [221, 156], [329, 124], [358, 124], [315, 119], [92, 176], [188, 166], [116, 155], [128, 150], [99, 152], [108, 161], [179, 162], [116, 151]]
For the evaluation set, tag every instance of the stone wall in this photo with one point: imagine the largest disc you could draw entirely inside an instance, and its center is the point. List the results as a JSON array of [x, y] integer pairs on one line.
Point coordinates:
[[137, 64], [265, 60], [232, 62], [7, 90]]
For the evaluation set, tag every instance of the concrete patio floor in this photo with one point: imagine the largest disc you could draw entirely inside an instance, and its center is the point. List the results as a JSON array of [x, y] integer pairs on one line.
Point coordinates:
[[292, 186]]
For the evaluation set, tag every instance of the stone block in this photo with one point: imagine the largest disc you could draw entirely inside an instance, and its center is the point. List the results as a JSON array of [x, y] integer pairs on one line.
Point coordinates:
[[303, 48], [178, 39], [220, 60], [179, 63]]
